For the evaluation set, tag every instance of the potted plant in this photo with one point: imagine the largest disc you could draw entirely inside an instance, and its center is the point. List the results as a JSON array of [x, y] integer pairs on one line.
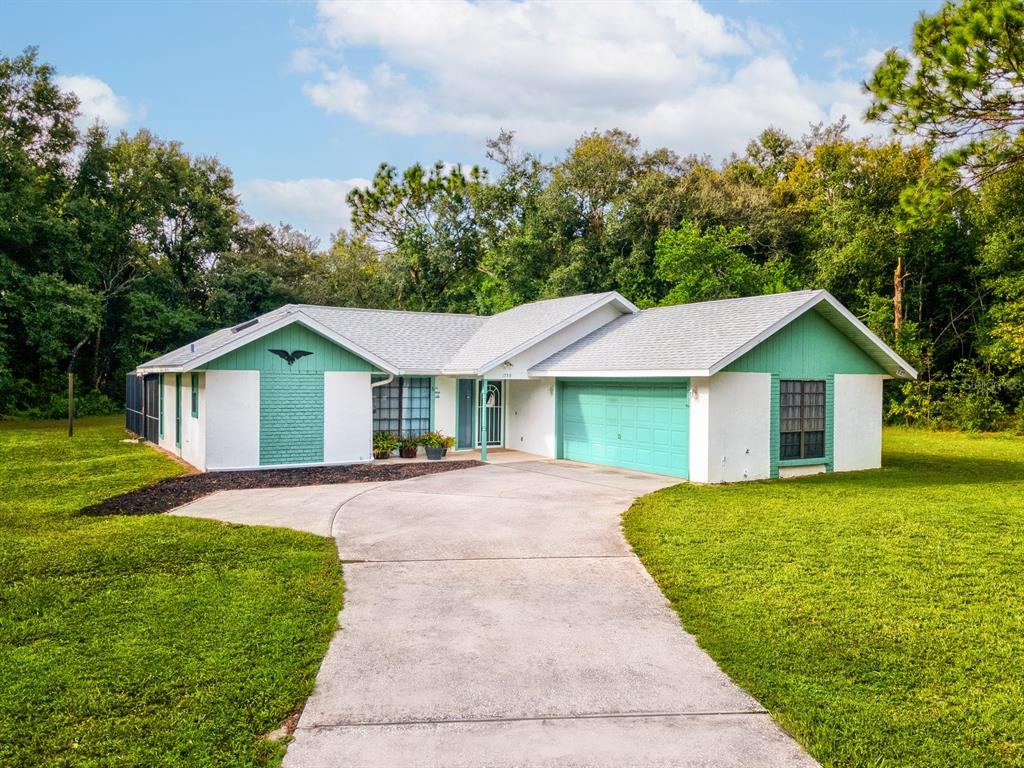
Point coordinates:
[[433, 442], [384, 443], [449, 442], [408, 446]]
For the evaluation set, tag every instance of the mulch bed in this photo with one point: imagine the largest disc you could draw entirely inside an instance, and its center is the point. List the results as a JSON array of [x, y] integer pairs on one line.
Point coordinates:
[[175, 491]]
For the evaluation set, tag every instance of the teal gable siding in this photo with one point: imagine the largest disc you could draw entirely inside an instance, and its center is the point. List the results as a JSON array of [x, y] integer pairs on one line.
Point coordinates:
[[256, 356], [810, 347]]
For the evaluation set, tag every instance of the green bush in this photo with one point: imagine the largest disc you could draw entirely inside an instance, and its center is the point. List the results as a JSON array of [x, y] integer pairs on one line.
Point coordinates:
[[93, 403]]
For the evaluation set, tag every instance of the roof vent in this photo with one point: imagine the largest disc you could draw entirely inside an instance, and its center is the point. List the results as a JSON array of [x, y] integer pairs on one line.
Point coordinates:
[[191, 347], [243, 326]]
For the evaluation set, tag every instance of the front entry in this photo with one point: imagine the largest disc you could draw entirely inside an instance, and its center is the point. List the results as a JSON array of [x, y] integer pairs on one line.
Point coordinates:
[[472, 400]]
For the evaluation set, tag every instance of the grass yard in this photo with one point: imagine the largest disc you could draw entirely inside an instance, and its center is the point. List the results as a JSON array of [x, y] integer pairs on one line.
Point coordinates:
[[878, 615], [148, 641]]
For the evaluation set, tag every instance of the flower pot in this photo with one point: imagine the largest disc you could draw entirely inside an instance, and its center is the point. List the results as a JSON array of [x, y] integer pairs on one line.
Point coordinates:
[[407, 453], [435, 454], [381, 454], [444, 451]]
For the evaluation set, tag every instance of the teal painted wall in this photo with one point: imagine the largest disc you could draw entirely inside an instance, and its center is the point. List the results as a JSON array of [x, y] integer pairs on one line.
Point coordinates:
[[810, 347], [292, 417], [327, 356]]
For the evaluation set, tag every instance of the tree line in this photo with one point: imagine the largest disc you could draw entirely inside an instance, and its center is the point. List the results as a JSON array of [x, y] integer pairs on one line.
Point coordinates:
[[114, 249]]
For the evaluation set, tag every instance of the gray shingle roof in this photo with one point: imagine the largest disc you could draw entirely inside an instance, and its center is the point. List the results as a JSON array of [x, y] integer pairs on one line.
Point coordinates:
[[514, 327], [686, 337], [409, 341], [677, 338]]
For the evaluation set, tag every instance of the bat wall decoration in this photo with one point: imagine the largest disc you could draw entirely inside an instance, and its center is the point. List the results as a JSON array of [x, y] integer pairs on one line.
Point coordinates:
[[290, 357]]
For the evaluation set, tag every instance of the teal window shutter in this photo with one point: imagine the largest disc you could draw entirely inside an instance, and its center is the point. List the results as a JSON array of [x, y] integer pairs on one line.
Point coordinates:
[[195, 395]]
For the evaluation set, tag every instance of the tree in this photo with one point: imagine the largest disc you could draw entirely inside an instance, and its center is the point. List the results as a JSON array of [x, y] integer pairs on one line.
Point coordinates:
[[701, 266], [426, 223], [963, 88]]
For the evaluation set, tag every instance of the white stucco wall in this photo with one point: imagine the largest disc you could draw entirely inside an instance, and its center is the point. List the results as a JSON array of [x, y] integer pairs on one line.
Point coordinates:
[[348, 417], [730, 426], [193, 428], [530, 416], [444, 405], [522, 362], [857, 433], [700, 423], [232, 405], [739, 441]]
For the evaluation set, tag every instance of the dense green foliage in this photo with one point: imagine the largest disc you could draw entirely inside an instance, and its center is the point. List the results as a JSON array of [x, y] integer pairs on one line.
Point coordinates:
[[116, 249], [879, 616], [145, 640]]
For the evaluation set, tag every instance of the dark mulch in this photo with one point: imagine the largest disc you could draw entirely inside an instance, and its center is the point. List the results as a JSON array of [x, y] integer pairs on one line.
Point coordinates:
[[175, 491]]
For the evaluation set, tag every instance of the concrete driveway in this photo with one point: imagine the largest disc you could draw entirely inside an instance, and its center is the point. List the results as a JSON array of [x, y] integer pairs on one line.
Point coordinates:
[[495, 616]]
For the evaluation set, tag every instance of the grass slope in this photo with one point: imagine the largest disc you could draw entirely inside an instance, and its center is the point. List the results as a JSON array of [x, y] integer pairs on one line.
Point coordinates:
[[878, 615], [145, 640]]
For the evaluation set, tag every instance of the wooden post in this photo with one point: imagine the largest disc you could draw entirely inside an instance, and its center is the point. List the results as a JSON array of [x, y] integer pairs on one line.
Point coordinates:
[[71, 403]]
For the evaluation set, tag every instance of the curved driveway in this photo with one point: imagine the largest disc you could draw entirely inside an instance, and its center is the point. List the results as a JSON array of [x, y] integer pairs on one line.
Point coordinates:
[[495, 616]]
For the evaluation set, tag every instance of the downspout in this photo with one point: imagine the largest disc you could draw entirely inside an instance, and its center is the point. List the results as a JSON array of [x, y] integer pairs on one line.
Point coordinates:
[[382, 382]]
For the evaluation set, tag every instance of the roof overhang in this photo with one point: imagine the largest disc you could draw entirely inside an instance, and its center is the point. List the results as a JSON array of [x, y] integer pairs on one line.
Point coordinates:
[[623, 374], [298, 316], [846, 322], [614, 297]]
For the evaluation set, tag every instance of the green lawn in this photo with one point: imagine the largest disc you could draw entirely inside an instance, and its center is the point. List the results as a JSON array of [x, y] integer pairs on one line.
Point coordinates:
[[149, 641], [878, 615]]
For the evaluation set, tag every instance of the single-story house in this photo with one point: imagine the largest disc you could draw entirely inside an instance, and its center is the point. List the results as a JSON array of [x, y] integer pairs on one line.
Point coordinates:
[[718, 391]]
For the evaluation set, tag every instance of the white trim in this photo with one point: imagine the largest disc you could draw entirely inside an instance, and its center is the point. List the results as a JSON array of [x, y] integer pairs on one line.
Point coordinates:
[[903, 367], [611, 297], [293, 317], [618, 374]]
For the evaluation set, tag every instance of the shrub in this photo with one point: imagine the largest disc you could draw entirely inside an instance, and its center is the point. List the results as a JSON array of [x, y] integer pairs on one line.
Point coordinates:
[[384, 442]]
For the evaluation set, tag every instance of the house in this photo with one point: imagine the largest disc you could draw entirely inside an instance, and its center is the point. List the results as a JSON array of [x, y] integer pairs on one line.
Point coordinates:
[[719, 391]]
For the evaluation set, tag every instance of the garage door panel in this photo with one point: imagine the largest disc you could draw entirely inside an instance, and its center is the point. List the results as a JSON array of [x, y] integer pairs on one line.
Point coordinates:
[[633, 425]]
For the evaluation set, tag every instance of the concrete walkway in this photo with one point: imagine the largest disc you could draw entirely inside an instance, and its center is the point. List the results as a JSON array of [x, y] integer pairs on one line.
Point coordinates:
[[495, 616]]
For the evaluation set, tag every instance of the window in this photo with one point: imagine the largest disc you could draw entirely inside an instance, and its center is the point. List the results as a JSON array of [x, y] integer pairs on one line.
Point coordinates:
[[194, 389], [802, 419], [402, 407], [177, 410]]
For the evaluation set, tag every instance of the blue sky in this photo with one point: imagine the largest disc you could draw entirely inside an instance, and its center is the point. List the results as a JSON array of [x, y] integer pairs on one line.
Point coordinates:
[[303, 100]]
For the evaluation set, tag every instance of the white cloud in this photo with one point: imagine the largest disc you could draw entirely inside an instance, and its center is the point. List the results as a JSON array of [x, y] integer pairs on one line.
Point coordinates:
[[674, 74], [316, 206], [871, 58], [97, 101]]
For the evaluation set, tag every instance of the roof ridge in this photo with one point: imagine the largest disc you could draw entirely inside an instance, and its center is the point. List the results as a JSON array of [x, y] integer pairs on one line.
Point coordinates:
[[802, 291], [394, 311]]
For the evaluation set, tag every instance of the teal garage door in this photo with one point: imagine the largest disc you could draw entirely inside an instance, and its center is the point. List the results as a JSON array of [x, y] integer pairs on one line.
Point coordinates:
[[630, 425], [291, 418]]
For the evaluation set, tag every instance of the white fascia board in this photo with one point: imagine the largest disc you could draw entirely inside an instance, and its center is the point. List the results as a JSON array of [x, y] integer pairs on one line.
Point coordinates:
[[818, 297], [295, 317], [613, 297], [637, 374]]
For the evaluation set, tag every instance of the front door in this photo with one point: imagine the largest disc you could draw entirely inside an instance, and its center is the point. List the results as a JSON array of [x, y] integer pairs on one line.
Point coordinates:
[[494, 402], [472, 400], [465, 435]]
